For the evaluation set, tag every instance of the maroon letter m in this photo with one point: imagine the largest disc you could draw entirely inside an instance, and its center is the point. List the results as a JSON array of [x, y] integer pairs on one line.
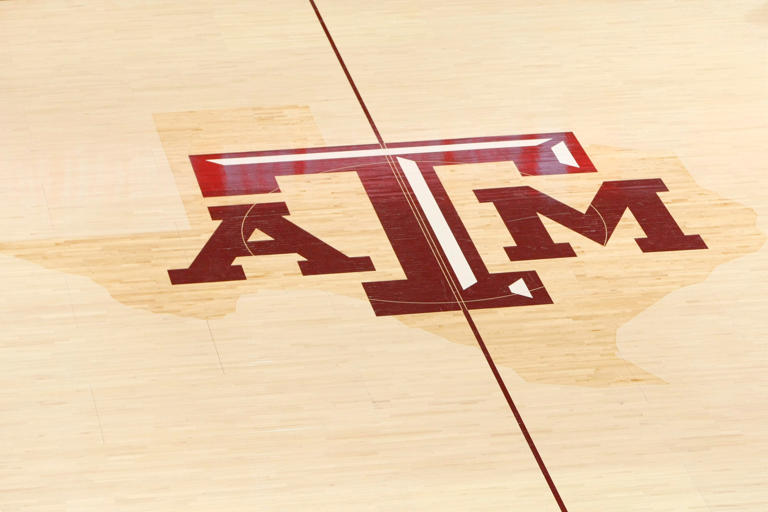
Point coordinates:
[[519, 208]]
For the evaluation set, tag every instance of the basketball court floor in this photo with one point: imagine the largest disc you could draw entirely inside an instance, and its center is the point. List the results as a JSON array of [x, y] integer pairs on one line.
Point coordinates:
[[383, 256]]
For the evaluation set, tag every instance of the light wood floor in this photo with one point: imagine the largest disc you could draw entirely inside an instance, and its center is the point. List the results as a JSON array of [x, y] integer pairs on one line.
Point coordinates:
[[643, 385]]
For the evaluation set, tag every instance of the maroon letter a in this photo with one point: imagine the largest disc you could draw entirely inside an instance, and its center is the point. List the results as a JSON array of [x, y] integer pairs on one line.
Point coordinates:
[[229, 241]]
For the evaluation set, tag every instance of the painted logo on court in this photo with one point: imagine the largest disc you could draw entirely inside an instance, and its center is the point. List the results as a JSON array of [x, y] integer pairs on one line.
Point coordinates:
[[440, 262]]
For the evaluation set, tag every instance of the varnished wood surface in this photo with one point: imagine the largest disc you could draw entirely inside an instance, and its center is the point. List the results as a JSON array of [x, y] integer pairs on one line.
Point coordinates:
[[642, 385]]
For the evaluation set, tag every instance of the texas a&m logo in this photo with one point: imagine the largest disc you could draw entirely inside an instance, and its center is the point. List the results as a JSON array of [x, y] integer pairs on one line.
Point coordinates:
[[420, 221]]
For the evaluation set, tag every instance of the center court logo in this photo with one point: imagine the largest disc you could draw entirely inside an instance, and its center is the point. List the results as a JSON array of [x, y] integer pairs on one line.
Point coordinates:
[[420, 221]]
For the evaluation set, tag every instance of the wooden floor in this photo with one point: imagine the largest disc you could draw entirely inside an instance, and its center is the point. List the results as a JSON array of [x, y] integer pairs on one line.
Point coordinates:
[[636, 380]]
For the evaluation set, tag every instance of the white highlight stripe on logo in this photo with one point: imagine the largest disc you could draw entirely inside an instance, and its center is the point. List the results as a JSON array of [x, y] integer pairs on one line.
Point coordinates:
[[439, 225], [564, 155], [362, 153]]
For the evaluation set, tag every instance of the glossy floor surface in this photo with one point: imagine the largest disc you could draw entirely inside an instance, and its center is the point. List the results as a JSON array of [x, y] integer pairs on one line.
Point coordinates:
[[379, 328]]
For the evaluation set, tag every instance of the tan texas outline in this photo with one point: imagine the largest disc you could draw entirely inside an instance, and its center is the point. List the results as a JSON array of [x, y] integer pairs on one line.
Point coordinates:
[[570, 342]]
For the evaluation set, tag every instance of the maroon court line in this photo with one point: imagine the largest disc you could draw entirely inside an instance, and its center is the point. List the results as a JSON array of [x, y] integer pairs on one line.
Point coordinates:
[[346, 72], [467, 315]]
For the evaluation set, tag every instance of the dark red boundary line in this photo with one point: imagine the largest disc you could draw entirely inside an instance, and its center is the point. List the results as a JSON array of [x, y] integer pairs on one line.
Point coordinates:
[[467, 316], [515, 411], [346, 72]]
